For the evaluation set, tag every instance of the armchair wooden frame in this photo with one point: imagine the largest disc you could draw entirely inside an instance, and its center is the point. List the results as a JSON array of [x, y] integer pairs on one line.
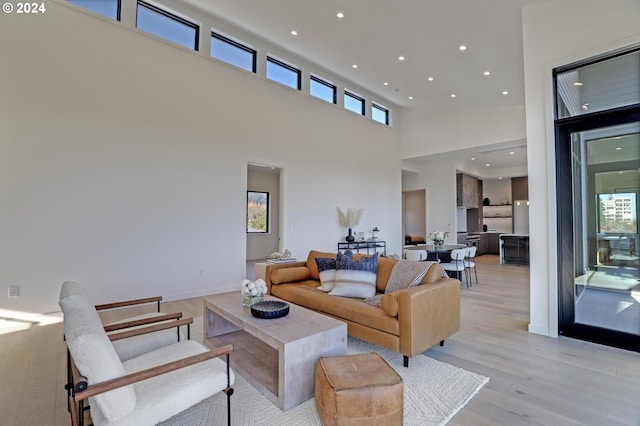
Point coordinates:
[[166, 321], [81, 390]]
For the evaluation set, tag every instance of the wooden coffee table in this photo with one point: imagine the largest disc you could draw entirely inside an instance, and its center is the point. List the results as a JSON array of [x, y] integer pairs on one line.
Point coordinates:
[[277, 356]]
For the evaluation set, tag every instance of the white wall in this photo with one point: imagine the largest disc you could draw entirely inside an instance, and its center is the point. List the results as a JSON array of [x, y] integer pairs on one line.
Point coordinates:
[[496, 190], [123, 163], [427, 131], [555, 34]]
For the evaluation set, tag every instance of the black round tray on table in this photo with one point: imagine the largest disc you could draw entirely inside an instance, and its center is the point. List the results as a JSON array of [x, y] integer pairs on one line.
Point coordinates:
[[269, 309]]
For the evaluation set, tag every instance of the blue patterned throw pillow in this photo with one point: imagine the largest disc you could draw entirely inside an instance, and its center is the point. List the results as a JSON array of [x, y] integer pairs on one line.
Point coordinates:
[[327, 272], [355, 278]]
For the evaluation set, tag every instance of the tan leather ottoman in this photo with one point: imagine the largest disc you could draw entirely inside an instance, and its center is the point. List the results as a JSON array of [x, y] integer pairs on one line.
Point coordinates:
[[358, 389]]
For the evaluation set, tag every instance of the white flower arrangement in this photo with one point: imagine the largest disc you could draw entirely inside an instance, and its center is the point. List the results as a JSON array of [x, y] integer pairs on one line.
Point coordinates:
[[254, 289], [438, 237]]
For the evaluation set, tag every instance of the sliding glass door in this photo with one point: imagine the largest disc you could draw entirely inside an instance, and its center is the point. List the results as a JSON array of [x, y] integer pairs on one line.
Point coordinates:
[[598, 188]]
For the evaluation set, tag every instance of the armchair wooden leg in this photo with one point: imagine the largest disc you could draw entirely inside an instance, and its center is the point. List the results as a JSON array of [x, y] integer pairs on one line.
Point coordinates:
[[73, 410], [405, 361], [441, 342]]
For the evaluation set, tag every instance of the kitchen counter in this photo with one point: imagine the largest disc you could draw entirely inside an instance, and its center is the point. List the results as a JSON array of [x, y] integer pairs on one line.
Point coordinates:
[[488, 243], [514, 248]]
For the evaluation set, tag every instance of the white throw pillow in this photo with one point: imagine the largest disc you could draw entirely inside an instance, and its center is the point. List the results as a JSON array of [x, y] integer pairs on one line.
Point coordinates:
[[355, 278]]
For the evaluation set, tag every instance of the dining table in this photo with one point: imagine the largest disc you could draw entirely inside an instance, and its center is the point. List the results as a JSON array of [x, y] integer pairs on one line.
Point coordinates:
[[441, 254]]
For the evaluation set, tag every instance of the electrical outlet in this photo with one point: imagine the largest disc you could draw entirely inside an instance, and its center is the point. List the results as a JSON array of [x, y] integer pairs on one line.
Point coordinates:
[[14, 291]]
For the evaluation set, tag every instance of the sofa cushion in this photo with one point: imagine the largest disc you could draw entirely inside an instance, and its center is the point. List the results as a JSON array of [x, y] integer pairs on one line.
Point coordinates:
[[355, 278], [389, 304], [327, 271], [289, 275], [314, 274], [350, 309]]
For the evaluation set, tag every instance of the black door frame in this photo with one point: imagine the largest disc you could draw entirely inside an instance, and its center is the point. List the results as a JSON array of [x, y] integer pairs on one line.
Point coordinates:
[[565, 244]]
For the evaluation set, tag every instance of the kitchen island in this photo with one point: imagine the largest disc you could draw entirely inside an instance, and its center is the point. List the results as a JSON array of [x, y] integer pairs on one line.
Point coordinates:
[[514, 248]]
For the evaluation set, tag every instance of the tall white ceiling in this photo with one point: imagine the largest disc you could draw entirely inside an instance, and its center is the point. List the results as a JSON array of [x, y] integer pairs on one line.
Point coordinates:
[[374, 33]]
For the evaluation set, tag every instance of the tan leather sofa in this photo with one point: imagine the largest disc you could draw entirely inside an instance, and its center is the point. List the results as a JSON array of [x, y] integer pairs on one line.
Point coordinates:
[[409, 321]]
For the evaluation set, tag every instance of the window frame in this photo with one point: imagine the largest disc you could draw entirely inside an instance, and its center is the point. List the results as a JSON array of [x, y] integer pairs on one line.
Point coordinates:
[[267, 216], [324, 82], [236, 44], [271, 59], [350, 94], [118, 10], [383, 109], [167, 14]]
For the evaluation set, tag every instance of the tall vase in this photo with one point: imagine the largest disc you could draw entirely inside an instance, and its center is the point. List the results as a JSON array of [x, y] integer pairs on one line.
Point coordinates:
[[350, 238]]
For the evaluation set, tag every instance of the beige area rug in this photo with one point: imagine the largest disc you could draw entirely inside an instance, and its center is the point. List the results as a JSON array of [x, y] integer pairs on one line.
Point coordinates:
[[434, 393]]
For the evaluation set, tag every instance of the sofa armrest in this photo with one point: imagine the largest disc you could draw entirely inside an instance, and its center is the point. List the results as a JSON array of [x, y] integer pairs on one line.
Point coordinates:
[[275, 266], [428, 314]]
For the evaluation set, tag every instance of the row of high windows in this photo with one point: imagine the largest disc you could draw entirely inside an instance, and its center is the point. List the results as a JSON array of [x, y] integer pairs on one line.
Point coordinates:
[[162, 23]]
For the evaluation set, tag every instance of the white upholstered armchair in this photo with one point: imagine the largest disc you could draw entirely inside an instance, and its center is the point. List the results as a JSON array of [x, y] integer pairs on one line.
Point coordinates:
[[142, 390]]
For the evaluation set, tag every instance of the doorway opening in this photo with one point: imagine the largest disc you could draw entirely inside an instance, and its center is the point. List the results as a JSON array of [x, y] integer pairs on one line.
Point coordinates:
[[264, 216], [414, 216]]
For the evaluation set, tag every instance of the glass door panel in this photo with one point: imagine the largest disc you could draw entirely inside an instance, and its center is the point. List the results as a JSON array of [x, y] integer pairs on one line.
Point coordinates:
[[605, 195]]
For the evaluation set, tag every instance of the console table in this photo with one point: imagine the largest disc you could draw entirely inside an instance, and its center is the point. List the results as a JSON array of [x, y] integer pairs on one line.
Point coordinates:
[[369, 246]]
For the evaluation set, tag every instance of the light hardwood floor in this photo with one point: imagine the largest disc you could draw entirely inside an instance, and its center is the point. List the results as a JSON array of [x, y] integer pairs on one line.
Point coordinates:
[[533, 379]]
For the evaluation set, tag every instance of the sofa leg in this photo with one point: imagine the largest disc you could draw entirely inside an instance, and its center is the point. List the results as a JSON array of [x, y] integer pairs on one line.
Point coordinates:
[[405, 360], [441, 342]]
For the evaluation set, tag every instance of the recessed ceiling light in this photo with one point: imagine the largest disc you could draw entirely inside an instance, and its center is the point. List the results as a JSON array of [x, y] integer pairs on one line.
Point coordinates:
[[430, 78], [511, 152], [453, 95], [410, 97], [620, 173], [473, 158], [340, 15], [462, 47], [577, 83], [500, 178], [618, 149], [385, 83], [354, 66], [294, 32], [401, 58], [505, 92], [487, 165], [487, 73]]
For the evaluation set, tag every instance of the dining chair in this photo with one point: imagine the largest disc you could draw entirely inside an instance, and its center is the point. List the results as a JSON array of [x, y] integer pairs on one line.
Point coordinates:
[[470, 260], [457, 264], [418, 255]]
